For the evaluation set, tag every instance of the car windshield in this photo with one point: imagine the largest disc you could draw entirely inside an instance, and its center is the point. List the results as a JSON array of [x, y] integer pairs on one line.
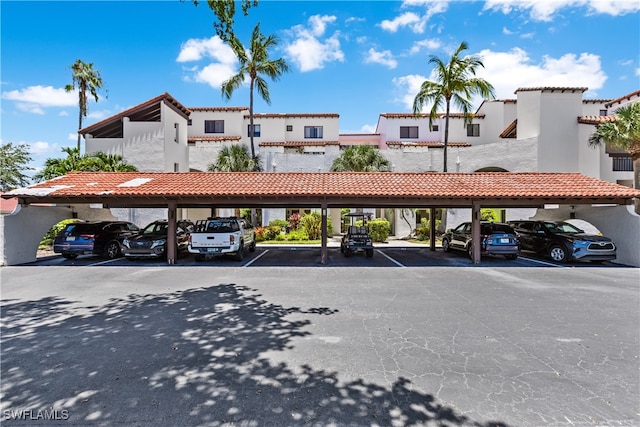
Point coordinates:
[[155, 228], [81, 229], [561, 227], [496, 228], [222, 226]]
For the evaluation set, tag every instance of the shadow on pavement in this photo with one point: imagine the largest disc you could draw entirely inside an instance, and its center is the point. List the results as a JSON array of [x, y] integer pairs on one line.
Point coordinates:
[[186, 358]]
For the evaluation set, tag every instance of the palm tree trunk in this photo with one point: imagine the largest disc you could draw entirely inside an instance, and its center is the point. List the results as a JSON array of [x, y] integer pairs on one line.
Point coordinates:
[[253, 150], [446, 134]]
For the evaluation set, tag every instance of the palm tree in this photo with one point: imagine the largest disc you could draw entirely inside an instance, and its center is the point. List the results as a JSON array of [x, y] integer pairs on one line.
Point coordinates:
[[254, 63], [85, 78], [236, 158], [622, 132], [360, 158], [76, 162], [455, 82]]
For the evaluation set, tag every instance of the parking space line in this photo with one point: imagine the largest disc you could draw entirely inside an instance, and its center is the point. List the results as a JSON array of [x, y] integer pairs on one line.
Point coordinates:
[[255, 259], [391, 259], [543, 262], [103, 262]]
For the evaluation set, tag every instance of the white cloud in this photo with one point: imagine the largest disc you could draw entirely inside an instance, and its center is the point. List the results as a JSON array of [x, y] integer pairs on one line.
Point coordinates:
[[198, 49], [545, 10], [42, 147], [222, 59], [214, 74], [638, 71], [34, 99], [415, 21], [308, 51], [506, 31], [407, 19], [508, 71], [426, 44], [384, 58]]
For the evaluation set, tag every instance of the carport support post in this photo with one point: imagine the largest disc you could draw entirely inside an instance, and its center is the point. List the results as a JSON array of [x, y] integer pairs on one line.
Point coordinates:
[[475, 232], [432, 229], [323, 237], [171, 233]]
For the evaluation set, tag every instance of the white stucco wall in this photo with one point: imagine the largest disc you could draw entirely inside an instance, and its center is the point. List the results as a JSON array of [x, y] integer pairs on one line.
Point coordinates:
[[21, 233], [175, 148]]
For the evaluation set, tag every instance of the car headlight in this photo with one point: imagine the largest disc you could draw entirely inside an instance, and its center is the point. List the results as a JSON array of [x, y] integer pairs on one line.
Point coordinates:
[[125, 242], [580, 243], [157, 243]]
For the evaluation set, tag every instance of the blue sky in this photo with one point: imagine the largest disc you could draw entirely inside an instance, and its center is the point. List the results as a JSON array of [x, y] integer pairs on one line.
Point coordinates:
[[355, 58]]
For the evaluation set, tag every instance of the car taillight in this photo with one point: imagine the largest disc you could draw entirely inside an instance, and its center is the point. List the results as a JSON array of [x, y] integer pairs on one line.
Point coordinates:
[[189, 238], [232, 238], [89, 236]]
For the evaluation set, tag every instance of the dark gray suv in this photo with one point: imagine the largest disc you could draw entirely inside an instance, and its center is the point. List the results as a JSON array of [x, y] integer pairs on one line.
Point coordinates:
[[563, 242], [496, 239]]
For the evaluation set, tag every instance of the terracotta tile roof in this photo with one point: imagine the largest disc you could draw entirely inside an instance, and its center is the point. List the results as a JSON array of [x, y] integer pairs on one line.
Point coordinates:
[[111, 187], [213, 138], [290, 115], [595, 101], [596, 120], [623, 98], [165, 97], [426, 116], [510, 131], [218, 108], [552, 89], [298, 143], [359, 134], [434, 144]]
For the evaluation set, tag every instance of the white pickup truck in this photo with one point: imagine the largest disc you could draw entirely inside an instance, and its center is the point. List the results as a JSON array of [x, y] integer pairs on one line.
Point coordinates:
[[221, 236]]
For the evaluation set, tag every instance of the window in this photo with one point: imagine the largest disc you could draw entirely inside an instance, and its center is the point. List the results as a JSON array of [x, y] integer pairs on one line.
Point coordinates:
[[289, 128], [434, 128], [622, 164], [603, 112], [177, 138], [214, 126], [190, 122], [408, 131], [473, 129], [313, 131], [176, 167], [256, 130]]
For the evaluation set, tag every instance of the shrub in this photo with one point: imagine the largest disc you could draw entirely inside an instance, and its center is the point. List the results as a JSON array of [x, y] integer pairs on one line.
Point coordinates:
[[294, 221], [272, 232], [490, 215], [283, 224], [423, 231], [260, 234], [312, 224], [297, 235], [379, 229]]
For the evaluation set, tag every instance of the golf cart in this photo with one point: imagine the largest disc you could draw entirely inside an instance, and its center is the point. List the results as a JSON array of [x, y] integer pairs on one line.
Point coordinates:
[[357, 238]]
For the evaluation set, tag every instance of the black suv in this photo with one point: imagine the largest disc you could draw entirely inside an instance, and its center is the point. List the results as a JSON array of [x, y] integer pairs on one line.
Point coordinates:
[[563, 242], [101, 238]]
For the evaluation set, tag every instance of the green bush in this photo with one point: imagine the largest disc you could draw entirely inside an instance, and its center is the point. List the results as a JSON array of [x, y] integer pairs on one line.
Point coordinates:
[[298, 235], [311, 223], [272, 232], [379, 229], [490, 215], [423, 230]]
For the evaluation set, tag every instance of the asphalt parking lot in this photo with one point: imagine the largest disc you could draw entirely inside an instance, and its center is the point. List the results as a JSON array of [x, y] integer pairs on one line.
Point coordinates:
[[404, 338]]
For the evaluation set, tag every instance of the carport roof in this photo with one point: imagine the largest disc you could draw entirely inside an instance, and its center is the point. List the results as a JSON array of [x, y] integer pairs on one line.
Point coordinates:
[[351, 189]]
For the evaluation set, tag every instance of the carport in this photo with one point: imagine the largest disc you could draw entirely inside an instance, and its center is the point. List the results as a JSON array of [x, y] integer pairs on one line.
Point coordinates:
[[324, 190]]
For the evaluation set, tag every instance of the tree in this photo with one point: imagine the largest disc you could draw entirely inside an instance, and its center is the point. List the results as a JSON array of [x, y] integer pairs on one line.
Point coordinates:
[[254, 63], [236, 158], [623, 132], [13, 162], [225, 11], [84, 78], [455, 82], [98, 162], [360, 158]]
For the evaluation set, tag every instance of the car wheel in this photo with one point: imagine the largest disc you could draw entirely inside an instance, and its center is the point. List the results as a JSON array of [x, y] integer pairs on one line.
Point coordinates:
[[558, 253], [511, 257], [112, 250], [252, 248], [199, 258], [369, 253], [445, 245], [470, 250], [239, 256], [70, 256]]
